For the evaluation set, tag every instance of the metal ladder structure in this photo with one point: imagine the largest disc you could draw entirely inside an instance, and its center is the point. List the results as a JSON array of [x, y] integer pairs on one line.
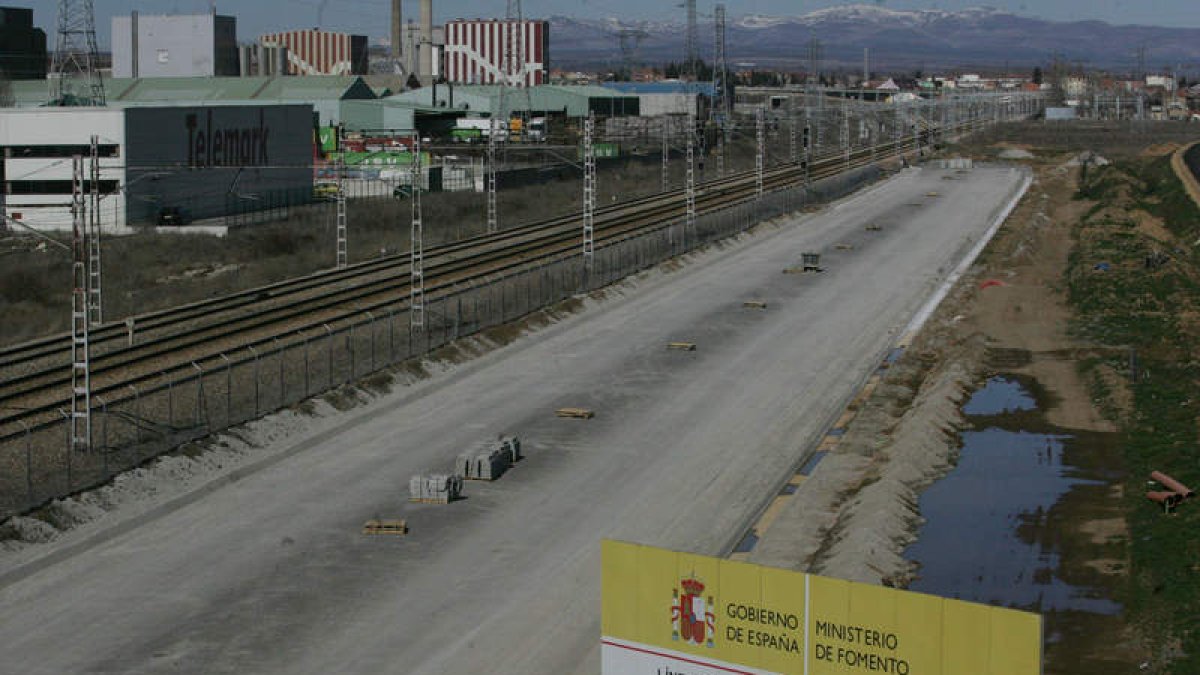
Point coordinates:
[[689, 228], [493, 218], [416, 293], [760, 156], [589, 196], [95, 305], [81, 378], [342, 252]]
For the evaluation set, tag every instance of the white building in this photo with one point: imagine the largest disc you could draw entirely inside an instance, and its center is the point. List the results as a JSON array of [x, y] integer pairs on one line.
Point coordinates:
[[178, 45], [206, 162]]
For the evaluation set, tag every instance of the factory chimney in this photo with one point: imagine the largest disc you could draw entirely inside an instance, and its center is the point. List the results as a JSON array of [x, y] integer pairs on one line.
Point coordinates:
[[397, 25], [426, 41]]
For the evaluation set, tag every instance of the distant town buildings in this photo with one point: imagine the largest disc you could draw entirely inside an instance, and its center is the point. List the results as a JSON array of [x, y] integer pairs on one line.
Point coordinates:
[[176, 45], [22, 47]]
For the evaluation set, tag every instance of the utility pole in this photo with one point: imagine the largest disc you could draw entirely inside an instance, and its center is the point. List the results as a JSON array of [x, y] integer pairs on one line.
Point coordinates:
[[95, 297], [689, 229], [81, 370], [760, 156], [589, 197], [75, 69], [340, 167], [416, 292]]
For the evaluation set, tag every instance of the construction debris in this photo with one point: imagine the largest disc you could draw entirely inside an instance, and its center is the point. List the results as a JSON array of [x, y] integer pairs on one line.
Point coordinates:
[[754, 304], [390, 526], [1175, 493], [682, 346], [576, 413], [810, 262], [490, 460], [873, 228], [434, 488], [932, 194], [845, 247]]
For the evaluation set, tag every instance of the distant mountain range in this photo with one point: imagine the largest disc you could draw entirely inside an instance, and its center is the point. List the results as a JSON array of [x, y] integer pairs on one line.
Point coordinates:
[[898, 39]]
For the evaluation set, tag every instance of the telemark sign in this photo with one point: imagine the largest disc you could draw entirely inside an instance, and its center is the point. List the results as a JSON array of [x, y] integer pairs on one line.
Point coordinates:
[[669, 612], [226, 146]]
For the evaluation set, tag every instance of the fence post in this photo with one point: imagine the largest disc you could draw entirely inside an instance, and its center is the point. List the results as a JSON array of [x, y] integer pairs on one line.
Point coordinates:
[[199, 392], [254, 353], [305, 345], [67, 445], [170, 401], [228, 388], [391, 334], [28, 464], [329, 351], [137, 414], [282, 391], [350, 346], [371, 337], [104, 433]]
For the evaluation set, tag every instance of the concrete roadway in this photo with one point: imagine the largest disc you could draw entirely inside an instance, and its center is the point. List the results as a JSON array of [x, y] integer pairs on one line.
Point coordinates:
[[271, 575]]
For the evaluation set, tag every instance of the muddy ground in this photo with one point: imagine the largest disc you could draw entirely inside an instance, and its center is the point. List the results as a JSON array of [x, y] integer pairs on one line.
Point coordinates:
[[1019, 313]]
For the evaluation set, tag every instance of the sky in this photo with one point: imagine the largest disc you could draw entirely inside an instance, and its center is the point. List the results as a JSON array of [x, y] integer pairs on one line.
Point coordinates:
[[370, 17]]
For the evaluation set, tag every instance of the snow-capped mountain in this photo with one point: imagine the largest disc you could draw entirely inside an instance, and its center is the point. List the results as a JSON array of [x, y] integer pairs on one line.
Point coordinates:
[[898, 39]]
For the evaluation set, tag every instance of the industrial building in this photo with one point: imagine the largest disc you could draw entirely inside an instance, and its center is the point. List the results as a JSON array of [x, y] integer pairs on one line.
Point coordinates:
[[22, 46], [548, 99], [175, 45], [667, 98], [318, 52], [478, 49], [203, 161]]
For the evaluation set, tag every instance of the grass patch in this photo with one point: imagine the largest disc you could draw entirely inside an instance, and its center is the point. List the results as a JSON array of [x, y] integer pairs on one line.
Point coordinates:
[[1134, 306]]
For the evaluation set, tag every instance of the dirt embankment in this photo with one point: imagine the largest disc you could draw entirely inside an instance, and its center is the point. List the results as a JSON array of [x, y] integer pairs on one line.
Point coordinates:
[[856, 514]]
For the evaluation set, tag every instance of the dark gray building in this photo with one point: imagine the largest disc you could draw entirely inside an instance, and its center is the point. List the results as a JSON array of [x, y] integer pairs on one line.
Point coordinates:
[[22, 46]]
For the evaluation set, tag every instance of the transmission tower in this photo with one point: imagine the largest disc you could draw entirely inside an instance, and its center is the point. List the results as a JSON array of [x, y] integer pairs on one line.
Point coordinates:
[[74, 71], [689, 41], [629, 40], [81, 378], [416, 294]]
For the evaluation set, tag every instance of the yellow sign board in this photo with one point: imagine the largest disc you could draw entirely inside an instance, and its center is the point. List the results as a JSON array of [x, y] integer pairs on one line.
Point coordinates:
[[684, 614]]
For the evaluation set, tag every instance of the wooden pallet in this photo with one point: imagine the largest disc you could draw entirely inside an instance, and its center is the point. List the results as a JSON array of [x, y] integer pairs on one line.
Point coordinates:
[[388, 526], [575, 413], [754, 304], [427, 500], [682, 346], [873, 228], [845, 247], [932, 194]]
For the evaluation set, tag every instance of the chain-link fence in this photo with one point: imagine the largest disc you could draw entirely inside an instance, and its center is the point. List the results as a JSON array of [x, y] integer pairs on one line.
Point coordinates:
[[147, 420]]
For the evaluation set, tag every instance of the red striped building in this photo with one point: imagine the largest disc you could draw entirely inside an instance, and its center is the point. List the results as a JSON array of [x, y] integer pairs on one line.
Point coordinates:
[[476, 49], [317, 52]]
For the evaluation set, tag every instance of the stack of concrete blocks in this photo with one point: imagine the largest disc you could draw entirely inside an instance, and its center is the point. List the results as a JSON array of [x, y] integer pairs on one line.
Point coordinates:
[[436, 488], [490, 460]]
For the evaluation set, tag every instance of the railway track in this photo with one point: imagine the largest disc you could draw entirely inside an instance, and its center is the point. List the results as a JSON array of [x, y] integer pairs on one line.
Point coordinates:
[[295, 310]]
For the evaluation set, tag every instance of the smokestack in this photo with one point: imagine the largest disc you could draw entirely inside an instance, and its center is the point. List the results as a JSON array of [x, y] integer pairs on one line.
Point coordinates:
[[397, 25], [426, 41]]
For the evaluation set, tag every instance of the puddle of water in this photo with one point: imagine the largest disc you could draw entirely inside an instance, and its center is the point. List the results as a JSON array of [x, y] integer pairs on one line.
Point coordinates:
[[812, 463], [975, 544], [788, 489], [894, 355], [1000, 395], [839, 431]]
